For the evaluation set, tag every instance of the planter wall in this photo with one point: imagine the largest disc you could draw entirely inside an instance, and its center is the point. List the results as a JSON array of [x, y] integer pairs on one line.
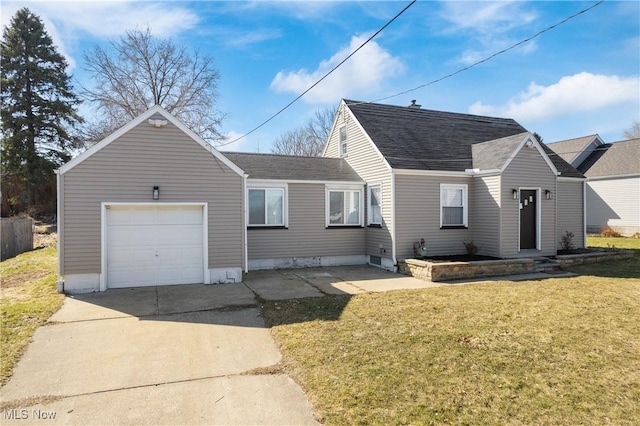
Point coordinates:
[[445, 271], [600, 256]]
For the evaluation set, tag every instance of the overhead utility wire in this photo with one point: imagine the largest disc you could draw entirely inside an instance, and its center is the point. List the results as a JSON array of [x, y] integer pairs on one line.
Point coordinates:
[[492, 56], [323, 77]]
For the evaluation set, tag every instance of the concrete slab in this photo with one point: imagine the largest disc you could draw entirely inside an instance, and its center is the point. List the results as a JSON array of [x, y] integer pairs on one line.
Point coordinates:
[[190, 298], [231, 400], [279, 285], [116, 303], [372, 279], [147, 301], [95, 356]]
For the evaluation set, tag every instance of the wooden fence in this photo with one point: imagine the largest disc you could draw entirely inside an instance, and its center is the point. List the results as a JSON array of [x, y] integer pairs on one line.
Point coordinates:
[[16, 236]]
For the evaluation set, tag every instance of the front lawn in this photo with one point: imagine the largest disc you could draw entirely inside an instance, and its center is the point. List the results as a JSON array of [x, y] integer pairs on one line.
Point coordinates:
[[557, 351], [28, 298]]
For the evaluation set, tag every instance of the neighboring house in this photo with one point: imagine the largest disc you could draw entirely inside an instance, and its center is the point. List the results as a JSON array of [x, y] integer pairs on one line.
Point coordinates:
[[153, 204], [613, 180]]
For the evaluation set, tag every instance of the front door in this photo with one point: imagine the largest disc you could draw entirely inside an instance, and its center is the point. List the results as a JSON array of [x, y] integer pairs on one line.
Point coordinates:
[[528, 220]]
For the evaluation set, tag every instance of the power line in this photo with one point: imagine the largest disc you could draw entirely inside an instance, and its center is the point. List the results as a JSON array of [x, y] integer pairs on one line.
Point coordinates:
[[323, 77], [488, 58], [461, 70]]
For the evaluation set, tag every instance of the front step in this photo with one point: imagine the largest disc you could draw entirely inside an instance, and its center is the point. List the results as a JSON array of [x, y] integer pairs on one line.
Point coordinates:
[[546, 265]]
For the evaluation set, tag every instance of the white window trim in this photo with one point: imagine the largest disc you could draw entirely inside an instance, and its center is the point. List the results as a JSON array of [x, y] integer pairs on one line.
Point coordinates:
[[353, 188], [264, 185], [342, 145], [369, 215], [465, 204]]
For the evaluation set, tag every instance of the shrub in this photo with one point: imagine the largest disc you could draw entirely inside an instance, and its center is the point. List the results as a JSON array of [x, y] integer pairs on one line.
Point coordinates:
[[566, 242], [610, 232], [471, 247]]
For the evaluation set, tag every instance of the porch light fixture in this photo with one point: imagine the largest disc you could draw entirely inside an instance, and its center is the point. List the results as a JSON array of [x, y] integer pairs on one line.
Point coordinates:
[[156, 193], [514, 193], [547, 194]]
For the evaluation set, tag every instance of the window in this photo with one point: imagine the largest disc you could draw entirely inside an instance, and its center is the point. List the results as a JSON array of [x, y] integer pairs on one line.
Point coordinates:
[[266, 207], [343, 207], [375, 205], [453, 205], [343, 141]]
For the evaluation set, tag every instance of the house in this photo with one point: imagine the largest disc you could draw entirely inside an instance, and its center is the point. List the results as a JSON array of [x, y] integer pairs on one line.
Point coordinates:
[[613, 180], [450, 178], [153, 204]]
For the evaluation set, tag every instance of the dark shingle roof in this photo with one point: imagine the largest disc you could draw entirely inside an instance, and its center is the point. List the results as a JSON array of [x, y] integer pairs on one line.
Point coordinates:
[[570, 148], [289, 167], [412, 138], [420, 139], [493, 154], [614, 159]]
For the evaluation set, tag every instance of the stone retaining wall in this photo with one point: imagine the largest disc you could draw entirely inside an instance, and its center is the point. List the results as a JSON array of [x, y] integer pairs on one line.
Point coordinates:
[[444, 271], [600, 256]]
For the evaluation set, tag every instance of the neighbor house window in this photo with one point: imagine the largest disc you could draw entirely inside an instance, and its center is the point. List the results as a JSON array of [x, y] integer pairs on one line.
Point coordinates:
[[267, 207], [343, 141], [453, 205], [343, 207], [375, 205]]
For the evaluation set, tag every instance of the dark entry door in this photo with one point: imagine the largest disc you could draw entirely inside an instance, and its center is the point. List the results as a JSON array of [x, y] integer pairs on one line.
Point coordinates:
[[528, 211]]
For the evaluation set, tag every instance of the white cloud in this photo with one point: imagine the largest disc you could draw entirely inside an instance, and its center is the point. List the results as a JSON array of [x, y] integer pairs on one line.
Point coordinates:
[[361, 74], [575, 93], [69, 22], [489, 24]]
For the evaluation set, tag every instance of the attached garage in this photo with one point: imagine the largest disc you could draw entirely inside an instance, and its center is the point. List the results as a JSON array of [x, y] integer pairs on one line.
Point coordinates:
[[148, 245], [152, 204]]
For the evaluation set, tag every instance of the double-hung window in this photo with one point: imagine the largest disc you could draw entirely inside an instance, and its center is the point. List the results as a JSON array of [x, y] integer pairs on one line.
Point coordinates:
[[267, 207], [375, 205], [453, 205], [343, 207], [343, 141]]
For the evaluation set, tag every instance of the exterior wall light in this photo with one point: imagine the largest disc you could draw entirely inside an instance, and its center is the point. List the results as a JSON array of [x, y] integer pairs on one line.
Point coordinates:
[[514, 193], [156, 193], [547, 194]]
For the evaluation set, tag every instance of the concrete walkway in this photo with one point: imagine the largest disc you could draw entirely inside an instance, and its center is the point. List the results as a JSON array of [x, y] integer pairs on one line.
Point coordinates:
[[192, 354]]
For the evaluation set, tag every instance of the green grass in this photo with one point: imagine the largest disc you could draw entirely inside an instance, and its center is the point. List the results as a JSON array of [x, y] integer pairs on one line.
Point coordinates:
[[28, 298], [560, 351]]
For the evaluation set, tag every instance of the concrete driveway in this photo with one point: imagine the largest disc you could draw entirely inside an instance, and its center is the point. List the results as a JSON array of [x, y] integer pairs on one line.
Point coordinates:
[[193, 354], [154, 355]]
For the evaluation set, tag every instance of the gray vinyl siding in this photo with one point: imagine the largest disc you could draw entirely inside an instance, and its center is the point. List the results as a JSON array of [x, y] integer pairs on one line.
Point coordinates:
[[484, 214], [307, 234], [570, 201], [528, 170], [363, 158], [126, 171], [418, 216], [614, 202]]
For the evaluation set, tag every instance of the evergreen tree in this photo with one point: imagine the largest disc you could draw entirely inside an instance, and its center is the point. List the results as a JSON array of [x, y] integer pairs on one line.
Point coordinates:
[[38, 115]]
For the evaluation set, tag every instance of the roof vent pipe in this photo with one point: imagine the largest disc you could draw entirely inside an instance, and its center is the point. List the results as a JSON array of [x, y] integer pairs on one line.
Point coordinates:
[[414, 104]]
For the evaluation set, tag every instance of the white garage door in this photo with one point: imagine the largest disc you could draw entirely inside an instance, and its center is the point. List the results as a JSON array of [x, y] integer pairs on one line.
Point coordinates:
[[154, 245]]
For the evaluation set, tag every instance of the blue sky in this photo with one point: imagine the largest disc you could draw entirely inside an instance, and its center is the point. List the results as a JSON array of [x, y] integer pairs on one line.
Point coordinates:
[[578, 79]]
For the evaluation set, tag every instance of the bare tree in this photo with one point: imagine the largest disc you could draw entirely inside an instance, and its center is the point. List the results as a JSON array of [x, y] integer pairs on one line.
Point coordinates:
[[139, 71], [308, 140], [633, 132]]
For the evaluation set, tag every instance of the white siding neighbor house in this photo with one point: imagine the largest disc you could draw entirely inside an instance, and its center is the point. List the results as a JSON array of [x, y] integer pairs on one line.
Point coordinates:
[[613, 181]]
